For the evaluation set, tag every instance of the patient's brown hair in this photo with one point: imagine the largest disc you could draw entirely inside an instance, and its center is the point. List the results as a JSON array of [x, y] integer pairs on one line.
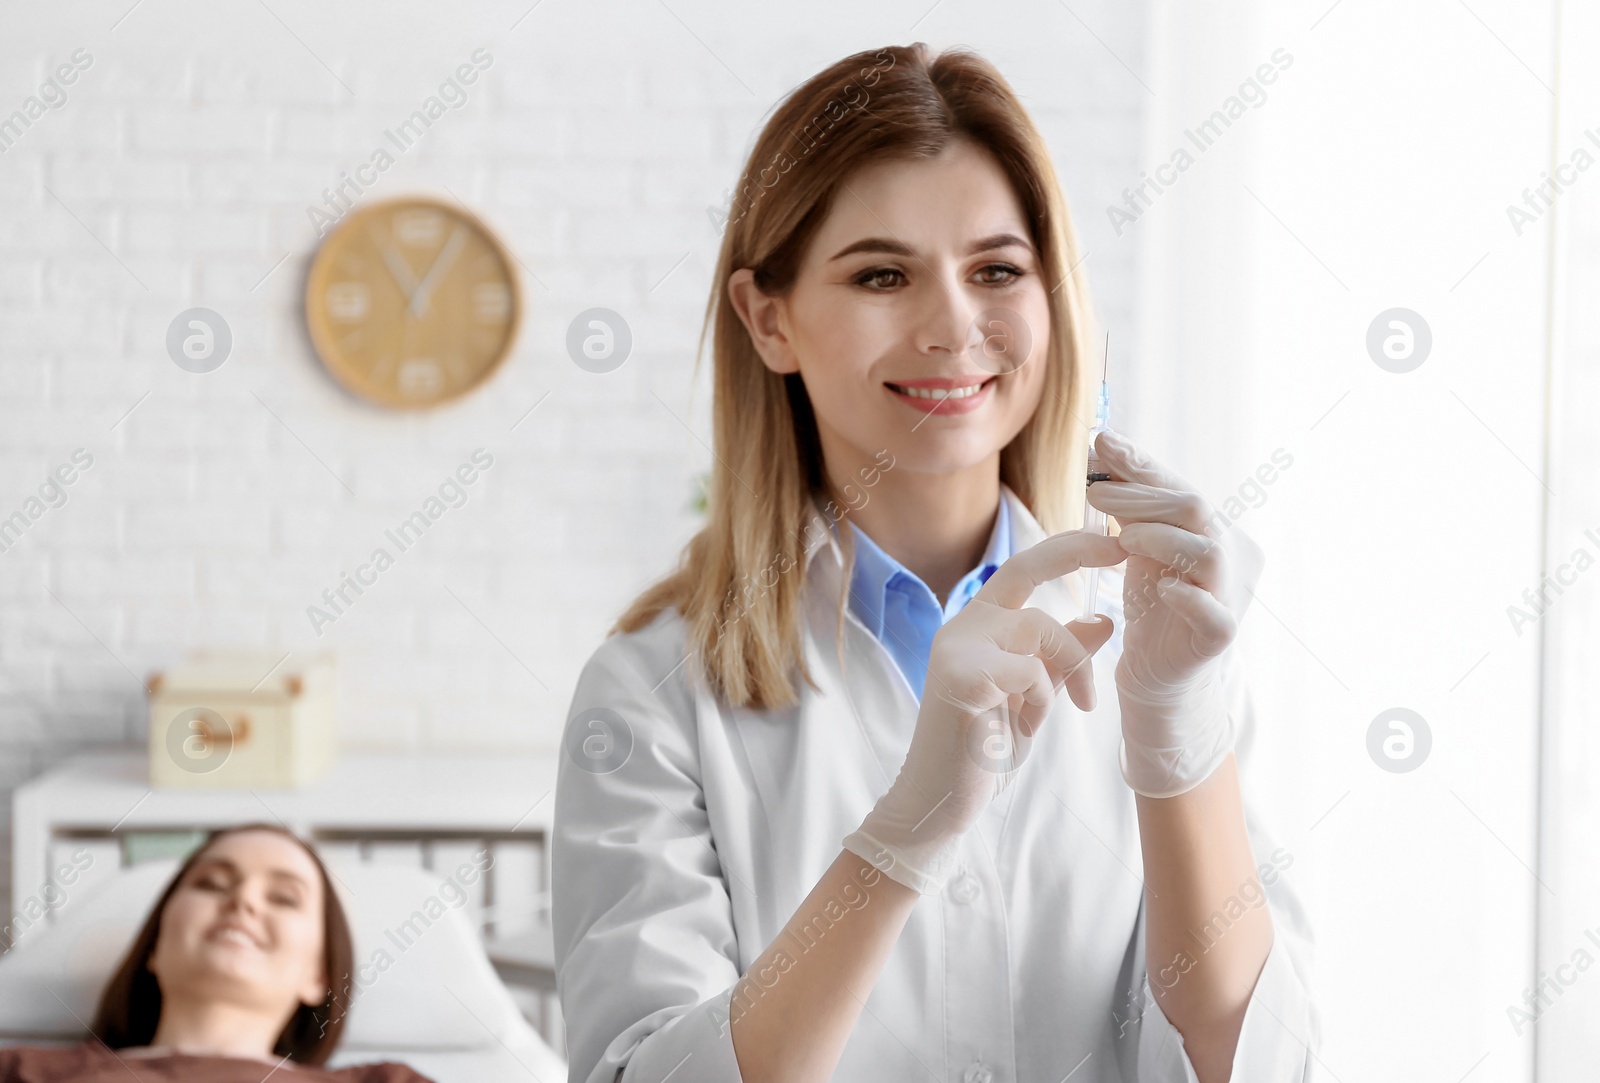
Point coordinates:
[[130, 1007]]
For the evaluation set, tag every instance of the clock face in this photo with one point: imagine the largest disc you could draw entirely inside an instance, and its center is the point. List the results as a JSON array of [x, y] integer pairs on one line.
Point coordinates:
[[411, 302]]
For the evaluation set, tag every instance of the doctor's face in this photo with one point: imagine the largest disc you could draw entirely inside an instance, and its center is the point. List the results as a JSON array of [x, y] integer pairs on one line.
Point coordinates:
[[245, 925], [903, 319]]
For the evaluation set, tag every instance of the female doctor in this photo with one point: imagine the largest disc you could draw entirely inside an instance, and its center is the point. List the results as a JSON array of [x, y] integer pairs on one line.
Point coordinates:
[[823, 813]]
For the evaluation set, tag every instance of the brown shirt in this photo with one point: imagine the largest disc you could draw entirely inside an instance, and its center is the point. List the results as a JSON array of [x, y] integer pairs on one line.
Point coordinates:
[[92, 1062]]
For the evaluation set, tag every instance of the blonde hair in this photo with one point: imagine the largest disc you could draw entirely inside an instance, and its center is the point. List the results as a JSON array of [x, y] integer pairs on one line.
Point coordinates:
[[739, 581]]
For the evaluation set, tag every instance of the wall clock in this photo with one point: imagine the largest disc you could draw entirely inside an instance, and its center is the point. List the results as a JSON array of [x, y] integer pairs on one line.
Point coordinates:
[[412, 302]]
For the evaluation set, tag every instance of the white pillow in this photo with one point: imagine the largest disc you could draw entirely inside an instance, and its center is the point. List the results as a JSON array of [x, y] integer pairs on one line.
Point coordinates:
[[422, 980]]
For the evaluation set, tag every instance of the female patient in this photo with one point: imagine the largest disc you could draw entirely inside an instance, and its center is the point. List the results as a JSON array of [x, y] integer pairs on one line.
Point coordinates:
[[234, 977]]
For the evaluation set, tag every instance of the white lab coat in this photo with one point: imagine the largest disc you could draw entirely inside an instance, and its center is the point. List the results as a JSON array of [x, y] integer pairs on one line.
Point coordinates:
[[672, 873]]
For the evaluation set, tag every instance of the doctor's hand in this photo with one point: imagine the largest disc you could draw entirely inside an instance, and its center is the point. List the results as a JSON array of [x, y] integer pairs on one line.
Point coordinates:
[[993, 673], [1188, 582]]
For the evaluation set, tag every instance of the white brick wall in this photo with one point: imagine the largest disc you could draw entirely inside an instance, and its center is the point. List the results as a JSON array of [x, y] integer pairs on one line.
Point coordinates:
[[189, 151]]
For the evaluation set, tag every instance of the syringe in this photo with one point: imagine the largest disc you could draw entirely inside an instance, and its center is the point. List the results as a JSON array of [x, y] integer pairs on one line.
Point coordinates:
[[1094, 520]]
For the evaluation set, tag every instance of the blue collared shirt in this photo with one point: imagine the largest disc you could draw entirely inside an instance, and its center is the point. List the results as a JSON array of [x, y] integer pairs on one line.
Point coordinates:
[[902, 611]]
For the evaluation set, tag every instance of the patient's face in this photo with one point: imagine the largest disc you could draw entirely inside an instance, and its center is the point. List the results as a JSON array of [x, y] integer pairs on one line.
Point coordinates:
[[246, 926]]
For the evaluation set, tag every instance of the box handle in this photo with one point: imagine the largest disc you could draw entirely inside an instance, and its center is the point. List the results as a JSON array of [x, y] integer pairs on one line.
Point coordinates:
[[240, 731]]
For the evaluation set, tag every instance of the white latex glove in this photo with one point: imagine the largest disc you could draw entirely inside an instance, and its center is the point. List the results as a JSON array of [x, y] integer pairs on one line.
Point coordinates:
[[993, 672], [1190, 577]]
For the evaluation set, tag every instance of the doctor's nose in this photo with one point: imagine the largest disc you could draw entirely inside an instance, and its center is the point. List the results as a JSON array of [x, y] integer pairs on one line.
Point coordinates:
[[945, 324]]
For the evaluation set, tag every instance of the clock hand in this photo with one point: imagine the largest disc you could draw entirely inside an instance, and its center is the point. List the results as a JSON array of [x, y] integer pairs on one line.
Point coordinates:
[[419, 300], [399, 270]]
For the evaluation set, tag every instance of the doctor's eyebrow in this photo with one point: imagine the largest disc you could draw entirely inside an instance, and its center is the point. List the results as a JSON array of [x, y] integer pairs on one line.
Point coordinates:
[[889, 246]]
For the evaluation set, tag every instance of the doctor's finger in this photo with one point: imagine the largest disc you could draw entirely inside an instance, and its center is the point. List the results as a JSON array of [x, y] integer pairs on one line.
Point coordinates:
[[1127, 463], [1213, 623], [1014, 582], [1062, 648], [1200, 560], [1025, 675], [1136, 502], [1080, 679]]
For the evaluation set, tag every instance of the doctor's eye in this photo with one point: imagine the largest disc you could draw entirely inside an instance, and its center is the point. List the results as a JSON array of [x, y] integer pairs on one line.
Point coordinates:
[[882, 279], [874, 274], [1012, 274]]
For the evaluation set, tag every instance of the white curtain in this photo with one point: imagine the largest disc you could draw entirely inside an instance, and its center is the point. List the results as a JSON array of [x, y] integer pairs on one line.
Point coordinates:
[[1373, 174]]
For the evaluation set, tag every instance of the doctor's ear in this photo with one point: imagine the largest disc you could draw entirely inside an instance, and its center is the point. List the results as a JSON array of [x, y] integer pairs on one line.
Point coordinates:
[[762, 317]]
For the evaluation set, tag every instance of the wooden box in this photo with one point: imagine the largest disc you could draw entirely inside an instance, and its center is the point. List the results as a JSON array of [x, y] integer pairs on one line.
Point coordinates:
[[242, 721]]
